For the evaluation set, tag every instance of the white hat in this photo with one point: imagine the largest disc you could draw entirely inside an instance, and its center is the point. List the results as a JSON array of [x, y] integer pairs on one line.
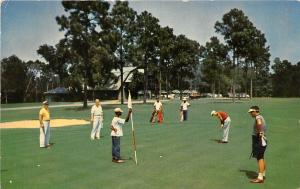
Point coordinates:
[[251, 110], [46, 102], [184, 98], [118, 110], [213, 112]]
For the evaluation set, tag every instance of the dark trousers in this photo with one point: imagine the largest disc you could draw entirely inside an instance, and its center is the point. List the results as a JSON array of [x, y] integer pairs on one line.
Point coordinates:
[[185, 115], [258, 150], [116, 147]]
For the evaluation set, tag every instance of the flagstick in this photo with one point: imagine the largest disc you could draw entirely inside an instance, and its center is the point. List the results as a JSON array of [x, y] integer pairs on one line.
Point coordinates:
[[134, 141]]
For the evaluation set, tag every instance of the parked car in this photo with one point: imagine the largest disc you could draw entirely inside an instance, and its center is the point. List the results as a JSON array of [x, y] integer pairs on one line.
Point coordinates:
[[195, 95]]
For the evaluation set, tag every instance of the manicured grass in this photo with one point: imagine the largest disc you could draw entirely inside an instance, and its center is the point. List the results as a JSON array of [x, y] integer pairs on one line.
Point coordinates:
[[29, 104], [191, 159]]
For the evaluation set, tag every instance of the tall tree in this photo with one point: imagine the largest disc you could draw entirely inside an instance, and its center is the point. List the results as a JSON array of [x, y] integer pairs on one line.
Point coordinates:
[[214, 57], [84, 27], [165, 47], [234, 27], [123, 29], [257, 59], [286, 79], [186, 58], [58, 58], [147, 40], [34, 73], [13, 78]]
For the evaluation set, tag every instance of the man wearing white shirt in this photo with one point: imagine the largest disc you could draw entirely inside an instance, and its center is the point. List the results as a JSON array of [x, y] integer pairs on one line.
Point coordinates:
[[96, 119], [116, 126], [184, 109]]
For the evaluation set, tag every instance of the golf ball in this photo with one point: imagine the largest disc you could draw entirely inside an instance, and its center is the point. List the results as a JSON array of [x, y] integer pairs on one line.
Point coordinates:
[[38, 165], [161, 156], [10, 181]]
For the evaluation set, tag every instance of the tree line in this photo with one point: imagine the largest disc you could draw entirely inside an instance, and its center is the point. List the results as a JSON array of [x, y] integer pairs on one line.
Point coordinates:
[[100, 37]]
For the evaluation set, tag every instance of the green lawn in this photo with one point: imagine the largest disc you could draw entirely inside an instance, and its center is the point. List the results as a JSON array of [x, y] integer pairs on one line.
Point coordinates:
[[29, 104], [191, 159]]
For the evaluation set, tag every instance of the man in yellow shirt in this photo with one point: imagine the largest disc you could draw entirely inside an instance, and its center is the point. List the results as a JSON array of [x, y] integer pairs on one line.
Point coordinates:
[[44, 118]]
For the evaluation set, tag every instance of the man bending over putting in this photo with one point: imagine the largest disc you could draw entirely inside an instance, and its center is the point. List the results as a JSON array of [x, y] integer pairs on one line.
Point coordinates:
[[225, 124]]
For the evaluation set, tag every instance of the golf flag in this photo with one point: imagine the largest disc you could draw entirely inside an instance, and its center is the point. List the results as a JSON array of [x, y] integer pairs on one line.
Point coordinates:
[[129, 104]]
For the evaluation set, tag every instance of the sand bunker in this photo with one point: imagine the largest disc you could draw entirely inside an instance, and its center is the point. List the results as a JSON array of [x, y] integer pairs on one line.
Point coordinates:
[[35, 123]]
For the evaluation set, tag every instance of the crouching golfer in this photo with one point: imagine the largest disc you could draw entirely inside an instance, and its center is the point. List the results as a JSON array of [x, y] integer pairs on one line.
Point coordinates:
[[225, 124], [259, 143], [116, 133]]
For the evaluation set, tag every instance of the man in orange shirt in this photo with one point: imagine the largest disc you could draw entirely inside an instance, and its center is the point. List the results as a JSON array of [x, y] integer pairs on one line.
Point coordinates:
[[225, 123], [44, 118]]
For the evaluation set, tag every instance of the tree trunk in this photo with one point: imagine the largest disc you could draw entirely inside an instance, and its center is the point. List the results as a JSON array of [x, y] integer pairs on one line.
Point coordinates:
[[6, 97], [85, 93], [94, 93], [85, 85], [180, 83], [36, 96], [27, 88], [121, 69], [214, 88], [167, 87], [145, 80], [251, 83], [251, 88], [159, 84], [233, 79], [122, 86]]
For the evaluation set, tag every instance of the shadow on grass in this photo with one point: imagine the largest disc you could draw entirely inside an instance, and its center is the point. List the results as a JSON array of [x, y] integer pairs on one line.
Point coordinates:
[[249, 174], [216, 140]]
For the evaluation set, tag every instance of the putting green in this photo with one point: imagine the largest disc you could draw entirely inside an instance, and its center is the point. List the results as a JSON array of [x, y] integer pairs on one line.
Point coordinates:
[[170, 155]]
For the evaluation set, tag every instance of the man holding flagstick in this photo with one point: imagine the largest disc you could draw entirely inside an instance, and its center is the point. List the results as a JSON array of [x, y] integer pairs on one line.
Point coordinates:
[[117, 132], [129, 104]]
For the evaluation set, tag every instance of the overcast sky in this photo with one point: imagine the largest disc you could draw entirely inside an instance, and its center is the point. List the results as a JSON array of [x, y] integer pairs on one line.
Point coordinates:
[[25, 25]]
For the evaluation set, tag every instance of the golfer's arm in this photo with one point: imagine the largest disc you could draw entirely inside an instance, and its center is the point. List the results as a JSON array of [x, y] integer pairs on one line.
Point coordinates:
[[92, 116], [221, 120], [259, 127], [128, 115], [112, 128]]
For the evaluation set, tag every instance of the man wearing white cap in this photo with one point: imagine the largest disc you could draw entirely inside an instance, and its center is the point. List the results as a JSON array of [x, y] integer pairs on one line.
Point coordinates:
[[225, 123], [259, 142], [184, 109], [116, 133], [44, 118], [96, 119]]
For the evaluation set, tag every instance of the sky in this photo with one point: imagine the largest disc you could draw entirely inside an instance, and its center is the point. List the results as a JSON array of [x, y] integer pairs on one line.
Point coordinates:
[[26, 25]]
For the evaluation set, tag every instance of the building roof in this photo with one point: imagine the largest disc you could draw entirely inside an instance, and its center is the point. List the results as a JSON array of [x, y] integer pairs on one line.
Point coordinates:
[[127, 74], [58, 90]]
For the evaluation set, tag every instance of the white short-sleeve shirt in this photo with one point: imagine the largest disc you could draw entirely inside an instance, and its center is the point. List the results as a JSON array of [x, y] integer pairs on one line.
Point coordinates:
[[185, 105], [157, 105], [97, 111], [117, 123]]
